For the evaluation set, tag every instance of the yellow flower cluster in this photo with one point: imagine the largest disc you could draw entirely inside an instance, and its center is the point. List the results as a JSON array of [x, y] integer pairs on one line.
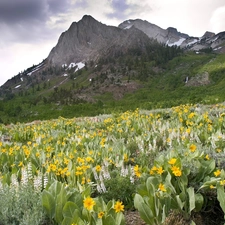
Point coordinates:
[[156, 170], [137, 171]]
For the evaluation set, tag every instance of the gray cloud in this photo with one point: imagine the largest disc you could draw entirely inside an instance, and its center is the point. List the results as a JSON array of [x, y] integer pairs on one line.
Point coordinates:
[[19, 11], [14, 12], [81, 4], [119, 7], [26, 20]]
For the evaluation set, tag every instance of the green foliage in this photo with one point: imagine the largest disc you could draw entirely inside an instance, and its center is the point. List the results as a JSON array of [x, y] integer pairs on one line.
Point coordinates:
[[119, 188], [20, 205], [66, 206]]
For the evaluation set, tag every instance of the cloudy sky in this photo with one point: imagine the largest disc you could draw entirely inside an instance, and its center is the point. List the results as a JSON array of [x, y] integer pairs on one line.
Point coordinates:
[[31, 28]]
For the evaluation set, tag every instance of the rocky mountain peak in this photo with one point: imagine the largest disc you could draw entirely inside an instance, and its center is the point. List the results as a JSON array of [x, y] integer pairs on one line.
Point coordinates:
[[89, 39], [208, 34]]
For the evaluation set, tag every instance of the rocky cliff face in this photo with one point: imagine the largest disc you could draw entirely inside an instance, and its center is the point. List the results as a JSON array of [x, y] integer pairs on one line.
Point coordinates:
[[89, 39]]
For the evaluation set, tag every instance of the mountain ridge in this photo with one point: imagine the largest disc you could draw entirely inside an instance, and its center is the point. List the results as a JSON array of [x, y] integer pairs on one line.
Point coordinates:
[[96, 65], [88, 40], [80, 49]]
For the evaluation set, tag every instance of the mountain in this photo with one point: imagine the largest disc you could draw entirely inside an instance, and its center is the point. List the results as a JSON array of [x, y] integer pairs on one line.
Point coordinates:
[[171, 36], [90, 40], [95, 68]]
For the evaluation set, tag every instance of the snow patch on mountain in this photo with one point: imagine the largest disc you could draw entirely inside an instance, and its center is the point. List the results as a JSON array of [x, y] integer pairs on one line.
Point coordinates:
[[78, 66], [18, 86], [128, 27], [35, 69], [192, 42], [177, 43]]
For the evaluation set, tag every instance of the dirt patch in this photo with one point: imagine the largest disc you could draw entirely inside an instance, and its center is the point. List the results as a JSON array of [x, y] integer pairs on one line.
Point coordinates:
[[207, 218]]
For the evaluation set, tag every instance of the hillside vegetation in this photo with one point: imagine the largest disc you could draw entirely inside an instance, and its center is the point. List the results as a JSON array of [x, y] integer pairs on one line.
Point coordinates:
[[168, 78]]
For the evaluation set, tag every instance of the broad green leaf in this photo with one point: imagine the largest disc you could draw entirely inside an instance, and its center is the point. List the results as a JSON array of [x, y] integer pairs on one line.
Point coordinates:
[[60, 202], [120, 219], [77, 199], [48, 203], [80, 222], [67, 220], [144, 210], [109, 220], [191, 195], [221, 196], [55, 188], [199, 200], [169, 184], [146, 214], [180, 204], [69, 209], [138, 200], [213, 182], [87, 191], [99, 222], [109, 205]]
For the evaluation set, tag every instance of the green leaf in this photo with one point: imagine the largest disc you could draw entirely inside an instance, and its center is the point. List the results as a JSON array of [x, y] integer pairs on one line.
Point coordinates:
[[213, 182], [221, 196], [199, 200], [48, 203], [109, 205], [69, 209], [120, 219], [55, 188], [87, 192], [77, 199], [191, 195], [146, 214], [67, 220], [60, 202], [138, 200], [144, 210], [109, 220], [180, 204]]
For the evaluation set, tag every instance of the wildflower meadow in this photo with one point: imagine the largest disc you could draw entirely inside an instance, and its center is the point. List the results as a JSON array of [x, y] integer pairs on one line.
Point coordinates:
[[90, 170]]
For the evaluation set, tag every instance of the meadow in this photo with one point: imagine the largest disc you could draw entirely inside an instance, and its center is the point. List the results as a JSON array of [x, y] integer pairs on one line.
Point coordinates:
[[90, 170]]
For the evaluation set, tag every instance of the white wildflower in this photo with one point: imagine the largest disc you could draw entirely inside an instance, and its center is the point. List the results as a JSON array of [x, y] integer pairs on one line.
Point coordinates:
[[24, 178], [103, 187], [45, 181]]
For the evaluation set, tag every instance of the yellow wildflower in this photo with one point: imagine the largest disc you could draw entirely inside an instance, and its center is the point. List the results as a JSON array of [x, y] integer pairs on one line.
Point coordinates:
[[222, 182], [125, 158], [153, 170], [217, 173], [192, 148], [176, 171], [98, 168], [172, 161], [119, 207], [89, 203], [100, 214], [162, 187], [160, 170]]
